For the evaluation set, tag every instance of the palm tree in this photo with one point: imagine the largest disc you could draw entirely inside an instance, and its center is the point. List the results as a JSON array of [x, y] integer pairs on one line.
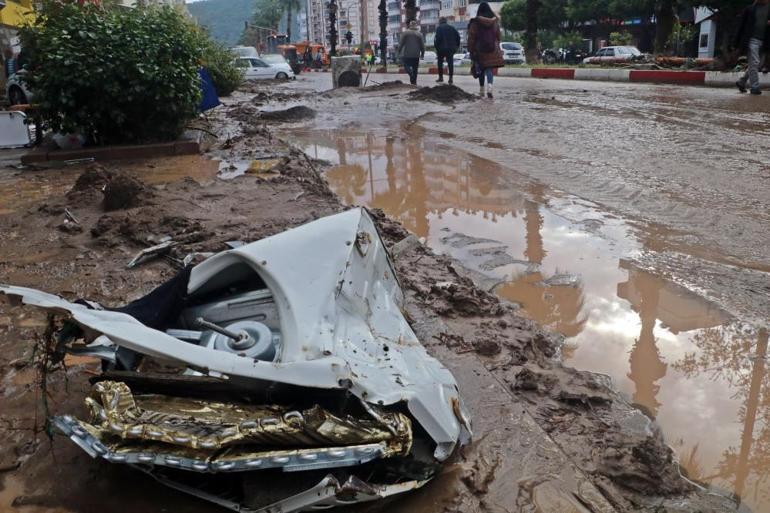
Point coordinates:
[[533, 8], [383, 8], [410, 6], [290, 5]]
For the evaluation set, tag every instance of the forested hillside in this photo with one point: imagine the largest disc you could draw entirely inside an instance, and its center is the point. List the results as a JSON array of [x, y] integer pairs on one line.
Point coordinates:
[[223, 18]]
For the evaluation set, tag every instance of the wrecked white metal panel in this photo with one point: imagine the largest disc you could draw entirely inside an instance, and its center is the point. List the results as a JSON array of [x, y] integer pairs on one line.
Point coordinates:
[[316, 307], [14, 132], [340, 321]]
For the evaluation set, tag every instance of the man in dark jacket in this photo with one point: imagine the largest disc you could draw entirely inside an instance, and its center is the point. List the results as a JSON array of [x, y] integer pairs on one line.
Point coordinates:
[[447, 41], [753, 37]]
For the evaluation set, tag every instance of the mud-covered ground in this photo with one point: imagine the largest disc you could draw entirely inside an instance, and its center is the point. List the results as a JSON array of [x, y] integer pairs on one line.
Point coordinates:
[[546, 438]]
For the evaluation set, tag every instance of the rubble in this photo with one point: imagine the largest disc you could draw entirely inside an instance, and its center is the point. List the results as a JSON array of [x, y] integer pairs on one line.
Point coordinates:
[[318, 400], [444, 93], [290, 115], [123, 191], [536, 448]]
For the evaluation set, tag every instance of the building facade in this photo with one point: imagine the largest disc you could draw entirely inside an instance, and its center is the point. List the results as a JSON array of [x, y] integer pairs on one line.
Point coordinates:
[[361, 18], [13, 14]]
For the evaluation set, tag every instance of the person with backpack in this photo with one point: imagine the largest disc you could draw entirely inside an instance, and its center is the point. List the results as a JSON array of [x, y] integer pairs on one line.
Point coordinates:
[[484, 46], [447, 41], [411, 47]]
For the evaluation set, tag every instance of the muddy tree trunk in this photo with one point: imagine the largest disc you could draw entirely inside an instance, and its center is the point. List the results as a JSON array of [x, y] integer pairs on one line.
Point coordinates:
[[383, 8], [665, 14], [533, 7]]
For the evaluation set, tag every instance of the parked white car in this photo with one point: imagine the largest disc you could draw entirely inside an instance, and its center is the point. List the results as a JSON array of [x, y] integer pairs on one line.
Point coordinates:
[[613, 53], [272, 66], [513, 53], [459, 59]]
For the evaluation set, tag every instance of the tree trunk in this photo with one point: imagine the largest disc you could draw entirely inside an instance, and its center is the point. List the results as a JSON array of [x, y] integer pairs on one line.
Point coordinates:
[[410, 6], [533, 7], [333, 27], [383, 8], [665, 15], [288, 22]]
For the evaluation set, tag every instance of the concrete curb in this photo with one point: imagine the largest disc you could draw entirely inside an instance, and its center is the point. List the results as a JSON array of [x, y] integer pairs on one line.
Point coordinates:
[[139, 151], [704, 78]]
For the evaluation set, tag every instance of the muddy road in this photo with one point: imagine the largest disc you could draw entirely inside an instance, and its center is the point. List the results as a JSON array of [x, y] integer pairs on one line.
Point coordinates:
[[631, 219], [516, 273]]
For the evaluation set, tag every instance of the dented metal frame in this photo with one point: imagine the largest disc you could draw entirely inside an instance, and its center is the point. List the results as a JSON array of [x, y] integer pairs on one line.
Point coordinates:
[[341, 324], [328, 493], [287, 460], [341, 328]]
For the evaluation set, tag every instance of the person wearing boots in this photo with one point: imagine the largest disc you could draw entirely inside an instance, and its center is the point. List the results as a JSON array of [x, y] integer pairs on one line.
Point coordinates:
[[447, 41], [484, 46]]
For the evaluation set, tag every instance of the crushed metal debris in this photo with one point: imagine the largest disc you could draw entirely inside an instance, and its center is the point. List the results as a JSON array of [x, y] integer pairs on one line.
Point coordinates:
[[293, 355]]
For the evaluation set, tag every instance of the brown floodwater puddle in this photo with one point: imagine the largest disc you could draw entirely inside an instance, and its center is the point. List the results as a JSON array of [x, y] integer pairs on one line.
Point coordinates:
[[680, 358], [19, 189]]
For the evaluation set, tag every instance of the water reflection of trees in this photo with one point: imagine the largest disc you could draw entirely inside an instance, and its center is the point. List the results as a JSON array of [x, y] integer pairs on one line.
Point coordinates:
[[736, 354], [558, 306]]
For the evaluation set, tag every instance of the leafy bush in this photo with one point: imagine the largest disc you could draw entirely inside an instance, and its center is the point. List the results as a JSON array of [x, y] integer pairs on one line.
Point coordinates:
[[621, 38], [569, 40], [115, 75], [218, 60]]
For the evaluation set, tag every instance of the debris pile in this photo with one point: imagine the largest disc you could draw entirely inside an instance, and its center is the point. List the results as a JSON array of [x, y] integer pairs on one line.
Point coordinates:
[[248, 385], [290, 115], [125, 191], [386, 86], [444, 93]]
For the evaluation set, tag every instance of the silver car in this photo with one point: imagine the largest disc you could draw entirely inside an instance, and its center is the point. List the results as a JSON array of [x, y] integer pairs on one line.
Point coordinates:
[[614, 54]]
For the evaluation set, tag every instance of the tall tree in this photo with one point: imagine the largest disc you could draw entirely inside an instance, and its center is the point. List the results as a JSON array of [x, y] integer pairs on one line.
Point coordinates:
[[289, 6], [665, 16], [267, 13], [530, 37], [410, 6], [383, 9], [332, 8]]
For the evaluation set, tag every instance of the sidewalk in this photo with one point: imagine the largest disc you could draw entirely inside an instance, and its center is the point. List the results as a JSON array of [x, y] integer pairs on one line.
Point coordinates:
[[704, 78]]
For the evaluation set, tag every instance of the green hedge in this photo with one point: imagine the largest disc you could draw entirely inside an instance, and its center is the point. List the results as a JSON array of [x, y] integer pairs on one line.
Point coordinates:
[[115, 75], [218, 60]]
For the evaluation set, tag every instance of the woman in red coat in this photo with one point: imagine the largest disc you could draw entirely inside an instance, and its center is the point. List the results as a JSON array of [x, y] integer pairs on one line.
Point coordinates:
[[484, 46]]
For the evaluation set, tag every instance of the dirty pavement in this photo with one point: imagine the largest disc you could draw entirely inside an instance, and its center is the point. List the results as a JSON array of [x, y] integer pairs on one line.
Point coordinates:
[[491, 306]]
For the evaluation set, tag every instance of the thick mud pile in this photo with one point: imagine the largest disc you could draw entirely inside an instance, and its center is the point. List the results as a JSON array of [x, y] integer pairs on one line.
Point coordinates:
[[290, 115], [444, 93], [387, 86]]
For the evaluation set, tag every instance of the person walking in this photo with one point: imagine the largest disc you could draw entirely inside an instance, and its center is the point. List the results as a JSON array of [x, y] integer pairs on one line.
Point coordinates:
[[411, 48], [484, 46], [753, 37], [447, 41]]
